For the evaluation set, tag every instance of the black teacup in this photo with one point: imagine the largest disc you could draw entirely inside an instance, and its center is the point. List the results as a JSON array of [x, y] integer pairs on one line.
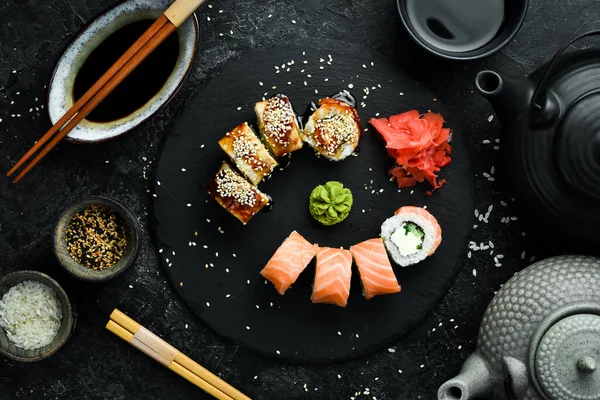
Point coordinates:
[[463, 29]]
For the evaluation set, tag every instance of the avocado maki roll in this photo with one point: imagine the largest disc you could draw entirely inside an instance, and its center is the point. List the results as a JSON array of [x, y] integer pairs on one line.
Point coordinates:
[[236, 195], [411, 235], [278, 125], [248, 153]]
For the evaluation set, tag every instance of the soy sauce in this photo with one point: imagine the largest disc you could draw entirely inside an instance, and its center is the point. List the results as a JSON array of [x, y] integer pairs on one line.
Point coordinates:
[[140, 86], [456, 25], [269, 207]]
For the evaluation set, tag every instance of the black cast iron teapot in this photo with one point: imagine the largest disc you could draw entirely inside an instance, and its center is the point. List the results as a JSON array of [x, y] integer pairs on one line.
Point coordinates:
[[551, 140]]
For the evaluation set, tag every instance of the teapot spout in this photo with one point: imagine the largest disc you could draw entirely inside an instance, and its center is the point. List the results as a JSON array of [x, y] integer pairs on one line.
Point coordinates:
[[473, 382], [509, 97]]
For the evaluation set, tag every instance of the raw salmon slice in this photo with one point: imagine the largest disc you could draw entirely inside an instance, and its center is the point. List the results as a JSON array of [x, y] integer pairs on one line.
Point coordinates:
[[288, 262], [332, 279], [375, 269]]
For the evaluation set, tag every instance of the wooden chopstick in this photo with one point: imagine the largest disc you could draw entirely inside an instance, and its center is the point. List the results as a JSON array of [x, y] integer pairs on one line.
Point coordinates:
[[108, 75], [166, 24], [155, 347]]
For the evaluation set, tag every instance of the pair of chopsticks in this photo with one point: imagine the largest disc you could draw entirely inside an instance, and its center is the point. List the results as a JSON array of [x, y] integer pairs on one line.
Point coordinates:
[[166, 24], [161, 351]]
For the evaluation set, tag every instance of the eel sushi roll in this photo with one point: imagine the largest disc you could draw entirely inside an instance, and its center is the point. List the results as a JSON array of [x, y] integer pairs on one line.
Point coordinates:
[[236, 195], [278, 125], [333, 130], [411, 235], [248, 153]]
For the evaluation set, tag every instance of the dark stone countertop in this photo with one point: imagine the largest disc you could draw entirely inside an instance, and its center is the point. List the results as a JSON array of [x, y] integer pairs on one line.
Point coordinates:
[[97, 365]]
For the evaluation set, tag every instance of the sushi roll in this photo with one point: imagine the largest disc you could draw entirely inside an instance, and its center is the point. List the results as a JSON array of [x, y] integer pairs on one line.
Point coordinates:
[[411, 235], [248, 153], [288, 262], [278, 125], [332, 277], [333, 130], [376, 273], [236, 195]]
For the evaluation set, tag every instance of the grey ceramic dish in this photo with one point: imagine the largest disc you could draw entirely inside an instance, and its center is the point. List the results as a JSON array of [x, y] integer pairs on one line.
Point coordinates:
[[80, 271], [60, 93], [7, 348], [514, 15]]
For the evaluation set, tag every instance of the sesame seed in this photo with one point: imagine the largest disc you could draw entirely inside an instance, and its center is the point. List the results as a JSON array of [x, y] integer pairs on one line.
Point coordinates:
[[207, 304]]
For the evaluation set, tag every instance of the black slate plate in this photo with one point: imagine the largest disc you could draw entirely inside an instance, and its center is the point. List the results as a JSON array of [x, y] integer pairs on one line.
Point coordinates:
[[230, 295]]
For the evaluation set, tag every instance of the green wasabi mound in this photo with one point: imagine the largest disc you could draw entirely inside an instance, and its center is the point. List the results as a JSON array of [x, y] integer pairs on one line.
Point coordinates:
[[330, 203]]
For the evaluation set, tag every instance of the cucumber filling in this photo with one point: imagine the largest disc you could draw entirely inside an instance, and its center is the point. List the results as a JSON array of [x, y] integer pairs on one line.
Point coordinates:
[[408, 238]]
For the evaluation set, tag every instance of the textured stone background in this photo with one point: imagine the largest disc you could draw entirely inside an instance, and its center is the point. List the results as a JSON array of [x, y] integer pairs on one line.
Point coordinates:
[[96, 365]]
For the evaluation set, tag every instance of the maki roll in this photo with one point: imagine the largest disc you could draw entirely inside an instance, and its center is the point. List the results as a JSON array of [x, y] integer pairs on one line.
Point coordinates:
[[236, 195], [333, 130], [411, 235], [248, 153], [278, 125]]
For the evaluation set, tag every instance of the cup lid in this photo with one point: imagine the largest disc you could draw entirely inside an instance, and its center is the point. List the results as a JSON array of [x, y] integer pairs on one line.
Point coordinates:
[[567, 359]]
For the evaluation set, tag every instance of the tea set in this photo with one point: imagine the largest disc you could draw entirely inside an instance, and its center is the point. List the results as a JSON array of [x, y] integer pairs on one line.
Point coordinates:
[[540, 336]]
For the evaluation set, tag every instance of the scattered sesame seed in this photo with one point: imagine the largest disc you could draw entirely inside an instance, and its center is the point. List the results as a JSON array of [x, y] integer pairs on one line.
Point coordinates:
[[278, 352], [207, 304], [189, 204], [247, 327], [293, 21], [183, 170]]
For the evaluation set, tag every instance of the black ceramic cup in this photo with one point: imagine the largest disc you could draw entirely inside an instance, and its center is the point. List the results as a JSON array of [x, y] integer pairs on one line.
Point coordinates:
[[514, 16]]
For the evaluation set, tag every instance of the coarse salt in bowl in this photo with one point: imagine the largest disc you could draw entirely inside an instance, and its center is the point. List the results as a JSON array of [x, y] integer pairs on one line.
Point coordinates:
[[27, 335]]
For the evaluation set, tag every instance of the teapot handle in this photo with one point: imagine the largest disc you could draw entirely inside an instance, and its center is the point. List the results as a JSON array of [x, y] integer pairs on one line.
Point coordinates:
[[536, 102]]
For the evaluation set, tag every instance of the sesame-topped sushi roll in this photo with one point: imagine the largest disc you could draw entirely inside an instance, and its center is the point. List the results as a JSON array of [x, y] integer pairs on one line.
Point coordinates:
[[236, 195], [248, 153], [278, 125], [333, 130]]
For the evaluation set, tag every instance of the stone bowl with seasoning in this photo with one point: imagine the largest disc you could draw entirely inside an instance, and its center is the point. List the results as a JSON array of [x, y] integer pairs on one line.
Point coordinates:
[[96, 239], [36, 316]]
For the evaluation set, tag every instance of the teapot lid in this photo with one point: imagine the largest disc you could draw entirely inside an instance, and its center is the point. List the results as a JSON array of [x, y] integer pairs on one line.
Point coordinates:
[[578, 145], [567, 359]]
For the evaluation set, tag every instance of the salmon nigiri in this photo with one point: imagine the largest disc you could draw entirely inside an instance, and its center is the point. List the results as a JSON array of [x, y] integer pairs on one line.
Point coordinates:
[[288, 262], [375, 269], [332, 279]]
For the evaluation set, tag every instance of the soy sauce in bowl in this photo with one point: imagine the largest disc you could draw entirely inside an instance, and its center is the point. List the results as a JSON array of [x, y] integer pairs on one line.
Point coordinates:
[[140, 86], [456, 25]]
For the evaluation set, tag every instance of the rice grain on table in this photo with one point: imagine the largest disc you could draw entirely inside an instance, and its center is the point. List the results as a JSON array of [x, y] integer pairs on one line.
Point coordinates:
[[31, 314]]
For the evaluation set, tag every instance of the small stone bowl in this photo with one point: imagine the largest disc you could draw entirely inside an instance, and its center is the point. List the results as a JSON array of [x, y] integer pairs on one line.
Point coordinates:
[[81, 271], [7, 348]]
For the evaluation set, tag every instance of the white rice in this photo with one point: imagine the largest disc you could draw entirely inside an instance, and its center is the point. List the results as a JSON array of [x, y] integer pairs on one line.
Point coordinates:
[[31, 314], [394, 223]]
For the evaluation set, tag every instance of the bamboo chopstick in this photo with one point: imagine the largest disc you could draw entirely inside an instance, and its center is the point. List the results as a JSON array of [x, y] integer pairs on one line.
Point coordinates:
[[155, 347], [166, 24]]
